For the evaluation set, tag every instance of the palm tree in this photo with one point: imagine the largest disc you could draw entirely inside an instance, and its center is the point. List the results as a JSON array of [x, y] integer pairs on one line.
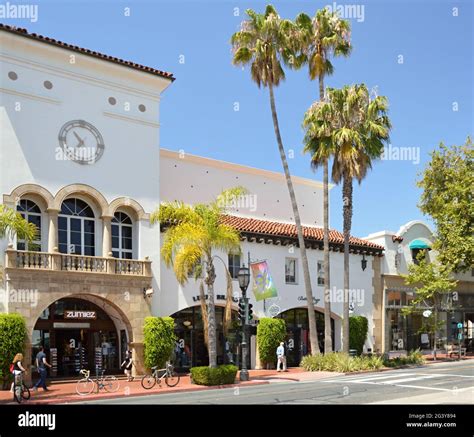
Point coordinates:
[[264, 42], [12, 223], [193, 233], [324, 36], [352, 127]]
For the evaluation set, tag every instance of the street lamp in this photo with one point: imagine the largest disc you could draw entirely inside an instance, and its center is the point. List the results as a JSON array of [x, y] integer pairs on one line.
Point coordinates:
[[363, 262], [244, 279]]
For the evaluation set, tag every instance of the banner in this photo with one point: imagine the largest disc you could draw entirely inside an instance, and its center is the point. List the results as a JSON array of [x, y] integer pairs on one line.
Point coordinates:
[[263, 286]]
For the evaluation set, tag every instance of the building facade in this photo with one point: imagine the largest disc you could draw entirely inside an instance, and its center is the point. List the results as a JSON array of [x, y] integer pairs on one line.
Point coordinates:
[[80, 159], [405, 332]]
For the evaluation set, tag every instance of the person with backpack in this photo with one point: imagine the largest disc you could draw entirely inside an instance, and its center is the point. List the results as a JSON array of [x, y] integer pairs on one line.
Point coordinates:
[[16, 368], [41, 364]]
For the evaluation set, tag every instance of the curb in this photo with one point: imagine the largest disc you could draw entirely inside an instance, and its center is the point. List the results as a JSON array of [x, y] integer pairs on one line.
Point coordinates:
[[77, 398]]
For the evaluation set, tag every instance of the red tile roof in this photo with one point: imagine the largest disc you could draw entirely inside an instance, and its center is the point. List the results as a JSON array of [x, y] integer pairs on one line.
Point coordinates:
[[277, 229], [45, 39]]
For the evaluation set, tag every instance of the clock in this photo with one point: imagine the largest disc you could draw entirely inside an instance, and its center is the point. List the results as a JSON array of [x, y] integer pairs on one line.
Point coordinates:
[[81, 142]]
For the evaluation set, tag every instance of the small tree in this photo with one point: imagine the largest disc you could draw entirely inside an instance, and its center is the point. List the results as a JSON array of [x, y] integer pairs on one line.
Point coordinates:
[[270, 333], [431, 282], [12, 341], [358, 329], [448, 198], [159, 340]]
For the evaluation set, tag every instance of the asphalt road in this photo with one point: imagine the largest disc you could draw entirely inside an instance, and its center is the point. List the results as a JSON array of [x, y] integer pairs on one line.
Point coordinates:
[[443, 383]]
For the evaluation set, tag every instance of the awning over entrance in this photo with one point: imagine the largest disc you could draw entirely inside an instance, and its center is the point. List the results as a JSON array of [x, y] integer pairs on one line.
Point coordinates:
[[419, 244]]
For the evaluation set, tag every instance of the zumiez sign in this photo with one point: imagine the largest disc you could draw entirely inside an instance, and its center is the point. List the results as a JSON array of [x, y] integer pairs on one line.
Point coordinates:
[[75, 314]]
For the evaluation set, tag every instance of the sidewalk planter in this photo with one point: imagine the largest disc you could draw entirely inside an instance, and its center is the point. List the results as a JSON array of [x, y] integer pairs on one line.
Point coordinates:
[[414, 357], [340, 362], [214, 376]]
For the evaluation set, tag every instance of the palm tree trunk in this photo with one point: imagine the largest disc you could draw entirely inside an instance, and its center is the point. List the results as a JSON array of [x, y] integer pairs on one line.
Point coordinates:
[[211, 314], [327, 280], [313, 334], [347, 215]]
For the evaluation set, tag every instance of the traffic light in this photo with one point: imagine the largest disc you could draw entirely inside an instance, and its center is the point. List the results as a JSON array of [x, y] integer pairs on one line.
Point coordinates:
[[250, 313], [242, 311]]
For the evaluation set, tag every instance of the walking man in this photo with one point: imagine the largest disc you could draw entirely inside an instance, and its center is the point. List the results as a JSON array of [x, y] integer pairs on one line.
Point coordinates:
[[281, 358], [41, 365]]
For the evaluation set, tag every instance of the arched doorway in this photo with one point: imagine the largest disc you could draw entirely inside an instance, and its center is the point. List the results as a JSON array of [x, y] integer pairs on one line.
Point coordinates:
[[190, 348], [297, 341], [80, 333]]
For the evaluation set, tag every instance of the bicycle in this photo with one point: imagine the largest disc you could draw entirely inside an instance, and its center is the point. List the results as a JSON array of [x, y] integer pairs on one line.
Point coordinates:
[[20, 390], [171, 377], [85, 386]]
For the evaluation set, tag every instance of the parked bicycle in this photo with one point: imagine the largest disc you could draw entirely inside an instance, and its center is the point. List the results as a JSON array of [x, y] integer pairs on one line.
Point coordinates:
[[86, 385], [20, 391], [168, 373]]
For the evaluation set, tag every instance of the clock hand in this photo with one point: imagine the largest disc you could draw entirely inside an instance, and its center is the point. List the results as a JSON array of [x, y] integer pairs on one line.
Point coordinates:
[[81, 141]]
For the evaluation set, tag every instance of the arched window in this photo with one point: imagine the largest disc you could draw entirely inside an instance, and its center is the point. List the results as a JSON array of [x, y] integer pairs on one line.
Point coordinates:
[[76, 227], [30, 211], [122, 236]]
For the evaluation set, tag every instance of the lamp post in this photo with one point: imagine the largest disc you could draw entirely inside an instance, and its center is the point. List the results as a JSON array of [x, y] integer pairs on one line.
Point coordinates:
[[244, 279]]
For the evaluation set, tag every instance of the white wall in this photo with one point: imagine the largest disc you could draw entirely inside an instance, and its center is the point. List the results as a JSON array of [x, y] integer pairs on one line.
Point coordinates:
[[194, 179]]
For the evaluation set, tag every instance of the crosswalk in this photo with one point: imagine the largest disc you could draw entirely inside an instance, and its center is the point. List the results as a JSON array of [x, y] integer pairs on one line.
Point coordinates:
[[425, 381]]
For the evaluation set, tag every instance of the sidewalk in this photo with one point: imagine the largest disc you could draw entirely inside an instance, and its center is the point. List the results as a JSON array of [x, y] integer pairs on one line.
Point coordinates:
[[66, 392]]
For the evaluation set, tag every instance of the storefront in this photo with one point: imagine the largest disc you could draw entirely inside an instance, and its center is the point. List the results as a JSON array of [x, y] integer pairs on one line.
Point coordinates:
[[297, 340], [78, 334], [190, 347]]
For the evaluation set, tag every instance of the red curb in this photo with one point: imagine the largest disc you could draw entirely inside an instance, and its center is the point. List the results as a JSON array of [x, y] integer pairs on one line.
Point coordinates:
[[78, 398]]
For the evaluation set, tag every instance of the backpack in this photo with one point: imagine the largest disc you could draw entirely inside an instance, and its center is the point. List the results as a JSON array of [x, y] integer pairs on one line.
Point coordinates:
[[12, 367]]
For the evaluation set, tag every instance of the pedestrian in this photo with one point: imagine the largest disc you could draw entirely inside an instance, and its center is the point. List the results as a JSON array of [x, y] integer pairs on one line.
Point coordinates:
[[127, 365], [281, 358], [41, 365], [17, 369]]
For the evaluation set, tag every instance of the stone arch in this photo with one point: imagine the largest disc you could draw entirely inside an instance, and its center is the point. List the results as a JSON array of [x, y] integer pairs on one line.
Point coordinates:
[[88, 192], [129, 206], [36, 193]]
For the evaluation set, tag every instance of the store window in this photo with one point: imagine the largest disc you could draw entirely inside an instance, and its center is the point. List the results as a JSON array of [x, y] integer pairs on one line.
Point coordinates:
[[291, 270], [122, 236], [76, 227], [31, 212], [234, 265]]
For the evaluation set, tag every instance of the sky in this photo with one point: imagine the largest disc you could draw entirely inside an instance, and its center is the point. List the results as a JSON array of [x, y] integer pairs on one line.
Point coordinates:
[[419, 54]]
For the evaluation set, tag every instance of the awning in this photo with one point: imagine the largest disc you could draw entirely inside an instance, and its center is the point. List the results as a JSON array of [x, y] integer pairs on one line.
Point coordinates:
[[419, 244]]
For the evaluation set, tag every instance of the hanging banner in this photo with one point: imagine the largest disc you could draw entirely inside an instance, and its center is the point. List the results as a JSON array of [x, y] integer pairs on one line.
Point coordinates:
[[263, 286]]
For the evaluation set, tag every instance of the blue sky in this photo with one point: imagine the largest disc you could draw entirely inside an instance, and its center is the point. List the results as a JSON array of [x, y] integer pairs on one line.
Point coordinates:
[[197, 112]]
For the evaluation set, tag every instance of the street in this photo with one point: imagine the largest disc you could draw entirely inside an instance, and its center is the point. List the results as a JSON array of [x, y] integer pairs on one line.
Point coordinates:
[[440, 383]]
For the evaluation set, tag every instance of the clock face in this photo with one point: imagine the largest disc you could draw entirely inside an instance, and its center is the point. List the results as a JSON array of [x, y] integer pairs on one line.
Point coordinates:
[[81, 142]]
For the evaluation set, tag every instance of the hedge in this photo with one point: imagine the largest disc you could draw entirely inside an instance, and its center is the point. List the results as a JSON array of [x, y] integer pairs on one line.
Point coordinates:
[[159, 340], [12, 341], [358, 329], [220, 375], [270, 333]]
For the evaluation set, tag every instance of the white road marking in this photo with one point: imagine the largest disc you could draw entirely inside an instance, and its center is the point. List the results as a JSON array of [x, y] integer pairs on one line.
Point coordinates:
[[416, 378]]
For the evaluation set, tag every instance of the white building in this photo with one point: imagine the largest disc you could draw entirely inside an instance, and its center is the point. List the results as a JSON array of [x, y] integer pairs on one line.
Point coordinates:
[[80, 158], [402, 333]]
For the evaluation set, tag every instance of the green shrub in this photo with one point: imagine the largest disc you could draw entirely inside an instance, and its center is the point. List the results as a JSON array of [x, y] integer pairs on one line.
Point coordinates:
[[340, 362], [270, 332], [159, 340], [414, 357], [214, 375], [358, 329], [12, 341]]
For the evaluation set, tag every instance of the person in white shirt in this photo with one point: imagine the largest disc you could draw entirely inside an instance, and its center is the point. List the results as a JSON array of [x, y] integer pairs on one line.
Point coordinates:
[[281, 358]]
